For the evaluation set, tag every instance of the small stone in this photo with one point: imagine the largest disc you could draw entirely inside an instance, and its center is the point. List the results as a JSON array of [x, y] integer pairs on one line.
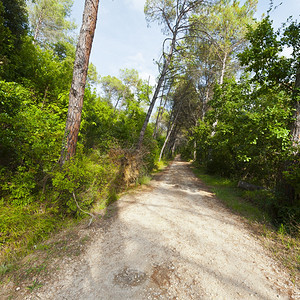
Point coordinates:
[[18, 288]]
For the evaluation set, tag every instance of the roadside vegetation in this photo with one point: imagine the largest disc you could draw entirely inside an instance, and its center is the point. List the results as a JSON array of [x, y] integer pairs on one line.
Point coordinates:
[[226, 97], [283, 241]]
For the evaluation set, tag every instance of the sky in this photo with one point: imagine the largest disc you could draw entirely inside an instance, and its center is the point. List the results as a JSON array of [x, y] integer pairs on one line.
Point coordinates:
[[123, 39]]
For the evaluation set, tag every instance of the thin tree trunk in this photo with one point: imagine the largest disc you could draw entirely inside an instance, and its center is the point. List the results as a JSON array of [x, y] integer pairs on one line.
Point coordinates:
[[76, 95], [167, 138], [38, 25], [172, 139], [160, 112], [155, 95], [165, 142], [295, 128], [223, 69], [117, 104], [204, 104], [174, 148], [45, 95], [158, 87], [283, 186], [157, 118], [182, 9]]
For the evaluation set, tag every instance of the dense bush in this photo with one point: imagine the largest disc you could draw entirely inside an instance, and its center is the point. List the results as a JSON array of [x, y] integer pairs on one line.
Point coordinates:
[[246, 133], [34, 89]]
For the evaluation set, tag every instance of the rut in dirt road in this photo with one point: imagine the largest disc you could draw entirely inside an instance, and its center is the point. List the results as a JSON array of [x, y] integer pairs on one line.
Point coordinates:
[[171, 240]]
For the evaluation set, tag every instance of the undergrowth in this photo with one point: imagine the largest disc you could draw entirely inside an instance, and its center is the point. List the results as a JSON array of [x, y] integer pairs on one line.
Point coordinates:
[[94, 178], [283, 242]]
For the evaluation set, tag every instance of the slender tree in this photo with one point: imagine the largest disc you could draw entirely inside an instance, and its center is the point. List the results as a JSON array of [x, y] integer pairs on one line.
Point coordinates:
[[219, 34], [48, 20], [76, 95], [174, 16]]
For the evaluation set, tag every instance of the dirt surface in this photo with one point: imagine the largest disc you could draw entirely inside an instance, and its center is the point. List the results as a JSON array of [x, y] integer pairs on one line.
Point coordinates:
[[170, 240]]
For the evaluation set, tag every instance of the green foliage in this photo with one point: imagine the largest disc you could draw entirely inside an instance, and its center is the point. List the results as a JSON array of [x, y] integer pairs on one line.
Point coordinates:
[[4, 268], [292, 174], [246, 134], [263, 56], [35, 285], [48, 20], [15, 17], [250, 134], [12, 96], [225, 189], [24, 226], [13, 29], [144, 180], [89, 176], [36, 194]]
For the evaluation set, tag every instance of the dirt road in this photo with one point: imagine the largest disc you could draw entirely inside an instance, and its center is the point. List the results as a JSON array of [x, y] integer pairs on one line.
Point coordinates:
[[171, 240]]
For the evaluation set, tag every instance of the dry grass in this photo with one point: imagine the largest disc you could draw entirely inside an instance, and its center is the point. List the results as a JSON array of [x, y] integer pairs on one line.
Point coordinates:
[[285, 248]]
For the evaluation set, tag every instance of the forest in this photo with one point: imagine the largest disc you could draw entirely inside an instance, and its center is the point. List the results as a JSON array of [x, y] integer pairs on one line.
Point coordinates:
[[225, 97]]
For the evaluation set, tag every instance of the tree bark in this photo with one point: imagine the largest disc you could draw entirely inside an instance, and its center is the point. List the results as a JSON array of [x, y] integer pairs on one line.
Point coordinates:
[[167, 138], [165, 142], [295, 128], [223, 69], [37, 29], [155, 95], [283, 186], [161, 111], [182, 8], [76, 95]]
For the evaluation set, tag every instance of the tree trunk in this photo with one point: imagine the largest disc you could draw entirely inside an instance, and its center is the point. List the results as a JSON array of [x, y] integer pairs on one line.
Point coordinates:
[[295, 128], [284, 187], [76, 95], [165, 142], [157, 89], [204, 103], [223, 69], [37, 29], [159, 84], [157, 118], [181, 12], [161, 112], [167, 138], [174, 148]]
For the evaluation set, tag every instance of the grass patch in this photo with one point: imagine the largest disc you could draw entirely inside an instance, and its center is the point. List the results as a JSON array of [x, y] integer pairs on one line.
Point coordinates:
[[5, 268], [251, 205], [112, 197], [161, 165], [226, 190], [35, 285], [23, 227], [145, 179]]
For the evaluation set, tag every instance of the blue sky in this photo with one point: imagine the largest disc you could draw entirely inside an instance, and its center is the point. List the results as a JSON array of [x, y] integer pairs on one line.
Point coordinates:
[[123, 40]]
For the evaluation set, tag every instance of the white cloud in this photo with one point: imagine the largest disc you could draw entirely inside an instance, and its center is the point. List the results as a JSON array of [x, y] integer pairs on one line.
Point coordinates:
[[138, 62], [146, 75], [287, 52], [135, 61], [136, 4]]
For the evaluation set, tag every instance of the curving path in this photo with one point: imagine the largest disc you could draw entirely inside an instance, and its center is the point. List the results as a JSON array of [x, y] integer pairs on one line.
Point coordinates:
[[170, 240]]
